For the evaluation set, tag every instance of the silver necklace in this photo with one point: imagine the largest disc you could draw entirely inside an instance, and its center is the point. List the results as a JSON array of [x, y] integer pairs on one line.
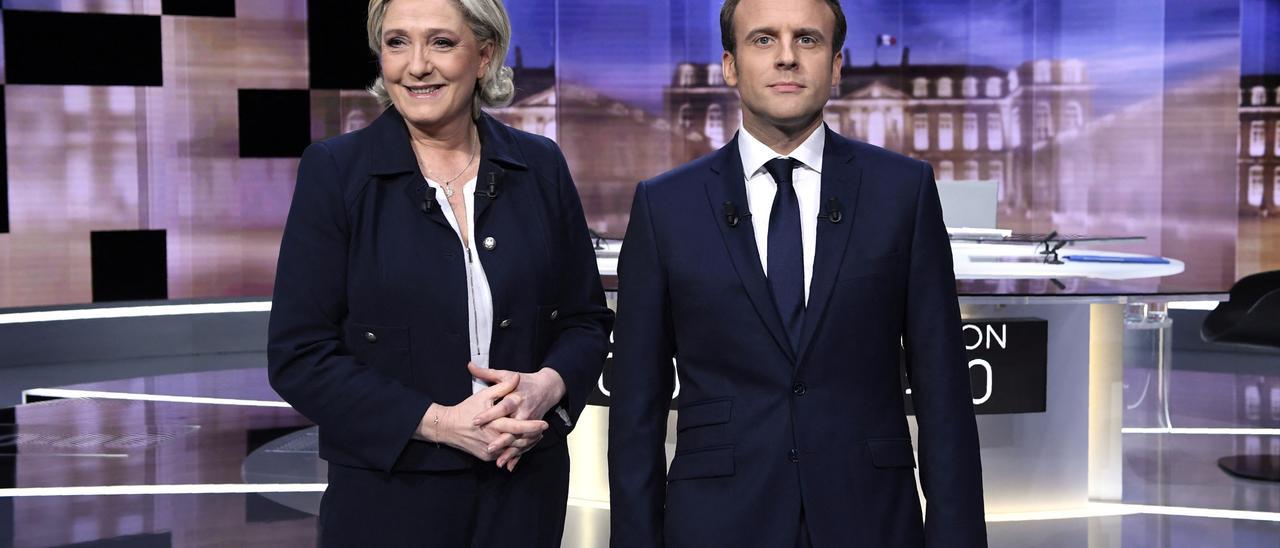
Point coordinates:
[[448, 185]]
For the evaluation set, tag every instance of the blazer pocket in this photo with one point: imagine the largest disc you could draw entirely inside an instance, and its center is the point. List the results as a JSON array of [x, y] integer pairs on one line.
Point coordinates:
[[891, 453], [861, 267], [710, 462], [383, 348], [369, 336]]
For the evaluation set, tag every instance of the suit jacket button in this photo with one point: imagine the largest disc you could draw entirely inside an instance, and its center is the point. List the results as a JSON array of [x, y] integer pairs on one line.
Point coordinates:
[[369, 336], [555, 314], [490, 243], [799, 389], [793, 455], [505, 323]]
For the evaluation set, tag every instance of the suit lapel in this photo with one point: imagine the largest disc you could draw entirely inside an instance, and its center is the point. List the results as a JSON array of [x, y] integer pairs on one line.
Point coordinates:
[[726, 185], [841, 179]]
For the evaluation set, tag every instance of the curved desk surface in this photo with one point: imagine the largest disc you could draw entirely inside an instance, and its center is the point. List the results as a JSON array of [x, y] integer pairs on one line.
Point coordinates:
[[1010, 273], [998, 261]]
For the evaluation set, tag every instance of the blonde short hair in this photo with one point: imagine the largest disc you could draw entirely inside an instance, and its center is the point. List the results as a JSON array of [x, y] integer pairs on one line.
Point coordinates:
[[489, 23]]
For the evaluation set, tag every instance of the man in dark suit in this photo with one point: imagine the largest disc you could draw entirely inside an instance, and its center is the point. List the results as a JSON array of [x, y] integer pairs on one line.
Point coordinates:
[[786, 273]]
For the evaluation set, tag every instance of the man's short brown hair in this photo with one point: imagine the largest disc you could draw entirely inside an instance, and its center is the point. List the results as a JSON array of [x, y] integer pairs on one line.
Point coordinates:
[[729, 42]]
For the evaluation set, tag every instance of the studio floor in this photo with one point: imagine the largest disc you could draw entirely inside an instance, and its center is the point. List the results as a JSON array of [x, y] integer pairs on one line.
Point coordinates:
[[215, 459]]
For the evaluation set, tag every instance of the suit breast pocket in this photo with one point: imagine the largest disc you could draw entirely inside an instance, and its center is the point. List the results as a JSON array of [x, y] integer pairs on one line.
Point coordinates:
[[384, 348]]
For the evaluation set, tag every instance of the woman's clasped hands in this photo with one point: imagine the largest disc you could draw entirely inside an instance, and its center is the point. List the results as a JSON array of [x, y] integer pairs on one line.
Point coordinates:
[[501, 422]]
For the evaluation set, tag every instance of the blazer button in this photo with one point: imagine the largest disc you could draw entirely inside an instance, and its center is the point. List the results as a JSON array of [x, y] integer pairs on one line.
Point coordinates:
[[505, 323], [793, 455], [799, 389], [490, 243], [555, 314], [369, 336]]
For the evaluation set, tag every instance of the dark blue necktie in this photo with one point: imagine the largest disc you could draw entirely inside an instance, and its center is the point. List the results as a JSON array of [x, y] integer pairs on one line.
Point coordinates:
[[786, 254]]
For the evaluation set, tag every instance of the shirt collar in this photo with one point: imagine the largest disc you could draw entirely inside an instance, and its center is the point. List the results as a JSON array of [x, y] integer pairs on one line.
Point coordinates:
[[755, 153]]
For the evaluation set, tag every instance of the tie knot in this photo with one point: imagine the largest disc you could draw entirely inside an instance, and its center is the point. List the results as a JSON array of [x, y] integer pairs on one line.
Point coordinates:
[[780, 169]]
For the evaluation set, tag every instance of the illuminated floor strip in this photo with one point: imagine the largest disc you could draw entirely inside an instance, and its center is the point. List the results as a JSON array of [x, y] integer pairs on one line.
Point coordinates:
[[1092, 510], [135, 312], [1205, 431], [1185, 511], [187, 489], [1111, 509], [68, 393]]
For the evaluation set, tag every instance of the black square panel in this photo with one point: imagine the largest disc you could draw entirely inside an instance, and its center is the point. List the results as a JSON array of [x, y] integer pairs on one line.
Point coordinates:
[[337, 45], [274, 123], [4, 171], [200, 8], [90, 49], [129, 265]]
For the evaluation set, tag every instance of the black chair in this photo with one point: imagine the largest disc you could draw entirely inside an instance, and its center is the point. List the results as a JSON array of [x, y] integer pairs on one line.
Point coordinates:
[[1250, 318]]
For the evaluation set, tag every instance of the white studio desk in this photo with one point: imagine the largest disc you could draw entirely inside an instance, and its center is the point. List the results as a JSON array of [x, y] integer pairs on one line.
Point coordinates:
[[969, 264]]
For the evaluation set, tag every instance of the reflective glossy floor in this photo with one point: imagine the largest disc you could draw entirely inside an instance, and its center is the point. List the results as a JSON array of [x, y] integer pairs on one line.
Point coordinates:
[[235, 520], [231, 520], [235, 468]]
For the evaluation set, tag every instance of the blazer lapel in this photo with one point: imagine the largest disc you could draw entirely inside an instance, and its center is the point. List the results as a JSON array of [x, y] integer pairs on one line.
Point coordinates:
[[841, 179], [415, 188], [728, 186], [393, 163], [497, 155]]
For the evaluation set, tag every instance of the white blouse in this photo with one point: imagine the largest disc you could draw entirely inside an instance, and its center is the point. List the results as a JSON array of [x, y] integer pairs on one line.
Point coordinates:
[[479, 298]]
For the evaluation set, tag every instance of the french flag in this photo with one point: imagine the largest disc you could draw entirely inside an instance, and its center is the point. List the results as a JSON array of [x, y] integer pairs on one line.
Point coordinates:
[[886, 40]]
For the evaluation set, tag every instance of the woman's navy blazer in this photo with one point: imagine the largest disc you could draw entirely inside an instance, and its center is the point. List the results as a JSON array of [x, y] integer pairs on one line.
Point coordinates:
[[369, 317]]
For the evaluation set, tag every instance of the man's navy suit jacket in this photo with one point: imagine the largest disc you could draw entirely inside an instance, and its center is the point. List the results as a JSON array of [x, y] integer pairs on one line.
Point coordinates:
[[765, 430], [369, 317]]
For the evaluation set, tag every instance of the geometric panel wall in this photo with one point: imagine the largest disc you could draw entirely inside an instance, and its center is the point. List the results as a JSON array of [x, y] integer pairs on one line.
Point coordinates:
[[149, 147]]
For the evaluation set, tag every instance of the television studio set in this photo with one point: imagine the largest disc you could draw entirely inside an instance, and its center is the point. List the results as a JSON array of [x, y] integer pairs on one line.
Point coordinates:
[[640, 273]]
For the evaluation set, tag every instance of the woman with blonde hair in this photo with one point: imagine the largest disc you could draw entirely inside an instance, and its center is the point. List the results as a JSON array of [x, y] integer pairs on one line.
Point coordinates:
[[437, 309]]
